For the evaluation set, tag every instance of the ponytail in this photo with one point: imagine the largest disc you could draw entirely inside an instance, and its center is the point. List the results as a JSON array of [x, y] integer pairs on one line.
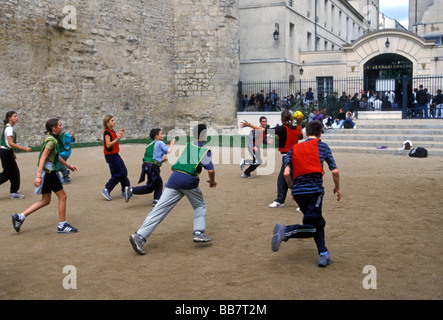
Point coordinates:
[[9, 114]]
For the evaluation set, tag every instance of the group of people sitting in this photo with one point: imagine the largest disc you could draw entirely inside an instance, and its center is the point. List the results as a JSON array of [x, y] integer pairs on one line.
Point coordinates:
[[342, 120]]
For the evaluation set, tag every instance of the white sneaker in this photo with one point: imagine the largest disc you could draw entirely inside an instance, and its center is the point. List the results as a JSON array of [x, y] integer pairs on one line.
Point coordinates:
[[106, 194], [17, 195], [243, 175], [242, 163], [276, 204]]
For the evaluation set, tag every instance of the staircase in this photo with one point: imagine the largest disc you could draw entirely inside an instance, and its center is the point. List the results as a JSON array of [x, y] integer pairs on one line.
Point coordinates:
[[372, 134]]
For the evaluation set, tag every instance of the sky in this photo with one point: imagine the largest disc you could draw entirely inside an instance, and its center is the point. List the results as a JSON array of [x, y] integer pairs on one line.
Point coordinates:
[[396, 9]]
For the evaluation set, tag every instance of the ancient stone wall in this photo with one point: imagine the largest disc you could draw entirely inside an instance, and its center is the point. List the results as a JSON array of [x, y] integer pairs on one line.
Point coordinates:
[[206, 61], [148, 63]]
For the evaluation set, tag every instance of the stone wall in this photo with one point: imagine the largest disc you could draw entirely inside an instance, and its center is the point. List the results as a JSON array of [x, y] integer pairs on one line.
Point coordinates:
[[148, 63], [206, 62]]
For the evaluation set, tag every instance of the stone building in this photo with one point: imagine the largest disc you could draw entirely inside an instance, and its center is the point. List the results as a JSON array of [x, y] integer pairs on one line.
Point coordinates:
[[302, 26], [324, 44], [148, 63]]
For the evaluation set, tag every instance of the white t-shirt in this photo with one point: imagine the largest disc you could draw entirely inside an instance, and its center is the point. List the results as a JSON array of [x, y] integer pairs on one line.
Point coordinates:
[[9, 132]]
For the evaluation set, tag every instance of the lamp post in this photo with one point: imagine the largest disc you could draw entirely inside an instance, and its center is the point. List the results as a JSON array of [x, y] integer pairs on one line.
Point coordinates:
[[276, 32], [301, 73]]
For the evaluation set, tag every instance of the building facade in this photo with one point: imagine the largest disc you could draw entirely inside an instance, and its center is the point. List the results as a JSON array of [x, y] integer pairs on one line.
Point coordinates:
[[341, 40]]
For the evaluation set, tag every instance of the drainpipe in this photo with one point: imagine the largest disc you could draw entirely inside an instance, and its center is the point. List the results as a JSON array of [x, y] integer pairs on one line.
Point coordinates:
[[315, 26]]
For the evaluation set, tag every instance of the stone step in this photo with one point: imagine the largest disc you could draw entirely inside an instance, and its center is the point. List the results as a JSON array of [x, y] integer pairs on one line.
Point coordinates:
[[393, 151], [390, 137], [378, 143], [373, 134]]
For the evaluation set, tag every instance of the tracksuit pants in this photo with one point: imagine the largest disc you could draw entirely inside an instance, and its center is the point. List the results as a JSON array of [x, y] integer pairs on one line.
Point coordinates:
[[167, 202], [313, 222], [10, 170], [119, 173]]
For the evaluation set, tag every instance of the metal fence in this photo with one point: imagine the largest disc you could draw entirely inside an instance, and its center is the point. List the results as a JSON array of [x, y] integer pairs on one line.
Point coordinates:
[[348, 93]]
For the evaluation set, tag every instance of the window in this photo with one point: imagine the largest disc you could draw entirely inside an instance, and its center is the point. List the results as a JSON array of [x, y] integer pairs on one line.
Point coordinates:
[[326, 85]]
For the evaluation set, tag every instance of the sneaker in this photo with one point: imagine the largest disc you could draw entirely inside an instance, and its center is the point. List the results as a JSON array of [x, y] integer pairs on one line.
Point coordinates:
[[154, 203], [15, 196], [137, 244], [128, 193], [201, 236], [276, 204], [242, 163], [244, 175], [16, 222], [66, 228], [67, 180], [278, 237], [324, 259], [106, 194]]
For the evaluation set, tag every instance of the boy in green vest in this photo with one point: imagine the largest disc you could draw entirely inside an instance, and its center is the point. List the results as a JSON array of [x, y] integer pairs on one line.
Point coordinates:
[[152, 161], [183, 181]]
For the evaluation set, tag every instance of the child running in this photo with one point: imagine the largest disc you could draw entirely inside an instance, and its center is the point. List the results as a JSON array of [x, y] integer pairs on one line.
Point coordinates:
[[11, 171], [48, 180], [119, 173], [303, 173], [288, 135], [152, 162], [183, 181], [255, 139]]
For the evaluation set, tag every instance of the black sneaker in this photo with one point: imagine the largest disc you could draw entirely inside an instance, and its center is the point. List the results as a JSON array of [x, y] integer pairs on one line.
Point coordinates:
[[66, 228], [16, 222]]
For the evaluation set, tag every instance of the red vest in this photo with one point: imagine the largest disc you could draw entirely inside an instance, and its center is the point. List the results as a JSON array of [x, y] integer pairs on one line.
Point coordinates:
[[305, 158], [292, 136], [259, 138], [115, 148]]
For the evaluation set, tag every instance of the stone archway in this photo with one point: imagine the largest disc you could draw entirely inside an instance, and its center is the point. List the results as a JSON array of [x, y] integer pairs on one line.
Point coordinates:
[[384, 73], [404, 43]]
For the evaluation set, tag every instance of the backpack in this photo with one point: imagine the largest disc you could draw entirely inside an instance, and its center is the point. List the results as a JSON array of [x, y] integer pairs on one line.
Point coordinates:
[[418, 152], [348, 125]]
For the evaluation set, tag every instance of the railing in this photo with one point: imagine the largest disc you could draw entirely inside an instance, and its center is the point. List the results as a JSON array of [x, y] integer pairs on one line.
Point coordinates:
[[359, 94]]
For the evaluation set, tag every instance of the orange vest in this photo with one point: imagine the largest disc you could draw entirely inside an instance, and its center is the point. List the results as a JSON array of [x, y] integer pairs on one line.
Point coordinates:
[[115, 148], [305, 158], [292, 136], [259, 138]]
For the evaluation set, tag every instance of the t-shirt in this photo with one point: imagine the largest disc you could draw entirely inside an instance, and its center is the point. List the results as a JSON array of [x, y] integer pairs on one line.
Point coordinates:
[[53, 152], [160, 149], [9, 132]]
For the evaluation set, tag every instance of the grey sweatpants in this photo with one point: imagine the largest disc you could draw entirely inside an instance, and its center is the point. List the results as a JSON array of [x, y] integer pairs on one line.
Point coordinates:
[[168, 200]]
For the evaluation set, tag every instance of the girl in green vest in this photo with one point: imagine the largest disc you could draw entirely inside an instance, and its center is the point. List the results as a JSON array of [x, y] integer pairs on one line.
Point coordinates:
[[48, 180], [7, 155]]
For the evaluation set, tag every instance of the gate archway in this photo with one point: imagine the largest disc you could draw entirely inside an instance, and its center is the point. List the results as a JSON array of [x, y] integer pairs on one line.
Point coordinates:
[[384, 74]]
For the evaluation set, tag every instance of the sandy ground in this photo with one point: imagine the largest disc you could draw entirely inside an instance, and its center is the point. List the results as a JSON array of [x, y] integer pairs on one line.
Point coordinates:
[[389, 218]]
